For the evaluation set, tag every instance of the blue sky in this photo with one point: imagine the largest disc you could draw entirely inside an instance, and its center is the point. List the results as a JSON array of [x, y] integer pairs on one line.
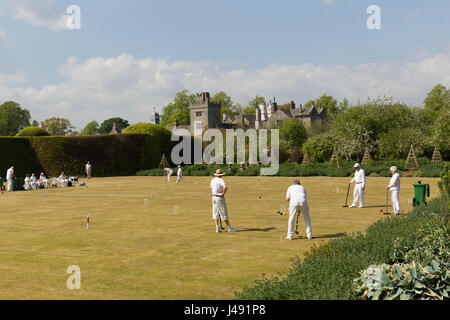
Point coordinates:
[[137, 54]]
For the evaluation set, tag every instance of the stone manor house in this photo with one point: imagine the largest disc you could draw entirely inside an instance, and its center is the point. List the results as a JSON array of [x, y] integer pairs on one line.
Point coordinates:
[[206, 112]]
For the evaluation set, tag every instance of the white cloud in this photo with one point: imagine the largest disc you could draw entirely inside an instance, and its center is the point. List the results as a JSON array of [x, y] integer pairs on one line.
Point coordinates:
[[41, 13], [99, 88]]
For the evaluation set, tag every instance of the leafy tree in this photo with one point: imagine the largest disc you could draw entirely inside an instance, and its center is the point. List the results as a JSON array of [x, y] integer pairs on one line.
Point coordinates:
[[326, 102], [90, 129], [56, 126], [107, 125], [35, 123], [292, 133], [256, 102], [178, 109], [437, 99], [320, 146], [13, 118], [395, 144], [226, 105]]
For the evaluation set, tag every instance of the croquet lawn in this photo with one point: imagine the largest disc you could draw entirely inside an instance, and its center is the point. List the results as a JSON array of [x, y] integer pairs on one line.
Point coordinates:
[[150, 239]]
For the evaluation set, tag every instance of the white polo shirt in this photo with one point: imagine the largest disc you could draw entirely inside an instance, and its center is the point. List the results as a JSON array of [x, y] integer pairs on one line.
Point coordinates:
[[297, 194], [217, 185], [360, 177]]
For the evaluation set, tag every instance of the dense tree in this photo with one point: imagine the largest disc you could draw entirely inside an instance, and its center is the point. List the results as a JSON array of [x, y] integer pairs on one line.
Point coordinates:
[[107, 125], [437, 100], [320, 146], [178, 109], [13, 118], [254, 103], [56, 126], [226, 104], [90, 129], [328, 103], [292, 134]]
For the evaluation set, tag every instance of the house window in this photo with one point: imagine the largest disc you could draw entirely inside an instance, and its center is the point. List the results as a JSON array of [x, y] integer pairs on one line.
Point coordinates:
[[198, 114]]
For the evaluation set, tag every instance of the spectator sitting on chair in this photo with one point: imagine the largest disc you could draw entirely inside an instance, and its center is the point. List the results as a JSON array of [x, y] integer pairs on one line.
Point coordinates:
[[33, 182], [63, 180], [43, 181]]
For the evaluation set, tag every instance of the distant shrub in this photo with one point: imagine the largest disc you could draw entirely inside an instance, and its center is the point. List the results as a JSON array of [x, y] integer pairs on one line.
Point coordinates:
[[32, 131], [151, 172]]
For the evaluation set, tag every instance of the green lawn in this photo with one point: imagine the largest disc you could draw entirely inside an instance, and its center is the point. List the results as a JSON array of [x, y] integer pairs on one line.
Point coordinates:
[[137, 249]]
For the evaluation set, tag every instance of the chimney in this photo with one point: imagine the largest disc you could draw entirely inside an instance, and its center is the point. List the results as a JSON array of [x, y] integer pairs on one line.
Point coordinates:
[[292, 105], [176, 123], [301, 107]]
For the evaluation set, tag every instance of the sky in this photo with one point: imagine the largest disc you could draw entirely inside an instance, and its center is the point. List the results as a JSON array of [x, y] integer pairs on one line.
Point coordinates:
[[129, 57]]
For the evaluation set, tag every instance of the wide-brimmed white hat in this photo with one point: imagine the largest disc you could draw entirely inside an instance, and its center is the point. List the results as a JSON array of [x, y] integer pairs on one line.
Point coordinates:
[[219, 173], [356, 165]]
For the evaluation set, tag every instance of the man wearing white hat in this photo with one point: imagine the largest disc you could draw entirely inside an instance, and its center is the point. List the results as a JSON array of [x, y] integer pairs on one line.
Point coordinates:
[[219, 208], [180, 175], [394, 187], [360, 185]]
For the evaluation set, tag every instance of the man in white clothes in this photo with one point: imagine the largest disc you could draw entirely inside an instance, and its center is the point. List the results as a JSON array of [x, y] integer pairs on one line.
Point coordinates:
[[88, 170], [9, 178], [180, 175], [360, 185], [296, 196], [219, 208], [169, 173], [394, 187]]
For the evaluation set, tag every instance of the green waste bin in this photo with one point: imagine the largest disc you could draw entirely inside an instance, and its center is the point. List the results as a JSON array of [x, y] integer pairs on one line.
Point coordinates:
[[421, 191], [18, 184]]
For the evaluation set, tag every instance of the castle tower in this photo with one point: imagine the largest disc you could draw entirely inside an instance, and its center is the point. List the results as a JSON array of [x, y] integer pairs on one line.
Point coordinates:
[[204, 113]]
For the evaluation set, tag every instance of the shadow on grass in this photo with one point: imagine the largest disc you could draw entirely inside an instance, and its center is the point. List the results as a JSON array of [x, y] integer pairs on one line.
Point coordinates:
[[257, 229], [382, 206], [327, 236]]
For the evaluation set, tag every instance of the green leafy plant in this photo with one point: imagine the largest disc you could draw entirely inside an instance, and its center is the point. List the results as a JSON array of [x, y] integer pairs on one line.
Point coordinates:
[[404, 282]]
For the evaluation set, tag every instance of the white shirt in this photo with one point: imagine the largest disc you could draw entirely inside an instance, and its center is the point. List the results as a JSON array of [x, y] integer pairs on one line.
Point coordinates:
[[360, 177], [42, 177], [170, 172], [297, 194], [33, 179], [88, 166], [217, 186], [179, 172], [394, 184], [62, 177], [9, 173]]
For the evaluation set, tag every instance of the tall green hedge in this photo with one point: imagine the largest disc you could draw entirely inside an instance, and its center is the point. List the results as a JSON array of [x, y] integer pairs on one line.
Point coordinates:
[[110, 155]]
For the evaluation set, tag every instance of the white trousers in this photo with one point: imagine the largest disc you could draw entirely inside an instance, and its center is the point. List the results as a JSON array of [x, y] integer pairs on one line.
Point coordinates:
[[358, 194], [395, 200], [168, 177], [180, 178], [304, 209], [10, 184]]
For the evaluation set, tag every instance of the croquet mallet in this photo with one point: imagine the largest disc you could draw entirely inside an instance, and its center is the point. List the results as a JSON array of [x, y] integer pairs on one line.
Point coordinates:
[[387, 201], [346, 198]]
